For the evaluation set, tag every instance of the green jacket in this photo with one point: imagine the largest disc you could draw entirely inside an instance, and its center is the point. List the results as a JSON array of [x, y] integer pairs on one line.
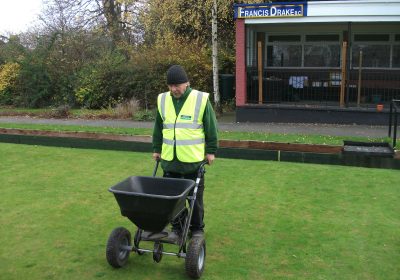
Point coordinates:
[[210, 131]]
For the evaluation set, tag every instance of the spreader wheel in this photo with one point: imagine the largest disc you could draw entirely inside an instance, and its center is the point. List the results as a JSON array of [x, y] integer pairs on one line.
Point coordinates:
[[157, 253], [195, 257], [116, 253]]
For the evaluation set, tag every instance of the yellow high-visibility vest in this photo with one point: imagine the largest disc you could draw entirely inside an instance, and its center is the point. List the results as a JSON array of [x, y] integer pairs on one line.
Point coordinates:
[[184, 131]]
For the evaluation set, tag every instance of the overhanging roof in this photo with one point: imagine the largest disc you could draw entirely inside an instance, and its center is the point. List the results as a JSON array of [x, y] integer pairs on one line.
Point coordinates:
[[341, 11]]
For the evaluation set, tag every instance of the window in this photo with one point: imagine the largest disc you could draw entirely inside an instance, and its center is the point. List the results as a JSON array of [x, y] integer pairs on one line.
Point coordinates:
[[375, 49], [250, 48], [322, 51], [282, 51], [322, 38], [396, 56], [321, 56], [371, 38], [374, 56], [284, 38], [396, 52], [284, 56], [311, 50]]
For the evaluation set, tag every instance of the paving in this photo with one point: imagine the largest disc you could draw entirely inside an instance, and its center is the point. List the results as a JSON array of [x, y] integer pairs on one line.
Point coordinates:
[[227, 123]]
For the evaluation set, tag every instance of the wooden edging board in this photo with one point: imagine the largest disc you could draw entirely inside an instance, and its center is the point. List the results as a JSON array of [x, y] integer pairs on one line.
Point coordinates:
[[251, 150]]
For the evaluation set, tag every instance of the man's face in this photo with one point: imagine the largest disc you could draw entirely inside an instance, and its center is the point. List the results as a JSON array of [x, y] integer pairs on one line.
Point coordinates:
[[177, 90]]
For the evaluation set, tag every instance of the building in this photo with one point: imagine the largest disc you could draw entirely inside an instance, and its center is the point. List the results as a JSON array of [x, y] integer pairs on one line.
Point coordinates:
[[310, 61]]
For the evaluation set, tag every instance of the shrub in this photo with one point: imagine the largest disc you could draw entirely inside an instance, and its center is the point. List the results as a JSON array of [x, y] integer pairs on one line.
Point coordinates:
[[144, 115], [9, 74], [152, 62], [229, 105], [61, 112], [127, 109], [34, 89], [104, 83]]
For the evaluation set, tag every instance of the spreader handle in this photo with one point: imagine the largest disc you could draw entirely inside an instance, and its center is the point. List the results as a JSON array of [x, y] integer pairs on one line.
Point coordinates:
[[201, 169], [156, 167]]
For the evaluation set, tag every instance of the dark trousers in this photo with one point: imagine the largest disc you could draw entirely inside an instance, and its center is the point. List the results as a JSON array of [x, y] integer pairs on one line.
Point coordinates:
[[198, 210]]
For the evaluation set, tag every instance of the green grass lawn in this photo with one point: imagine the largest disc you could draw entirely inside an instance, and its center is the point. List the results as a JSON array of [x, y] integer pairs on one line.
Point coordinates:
[[264, 219], [228, 135]]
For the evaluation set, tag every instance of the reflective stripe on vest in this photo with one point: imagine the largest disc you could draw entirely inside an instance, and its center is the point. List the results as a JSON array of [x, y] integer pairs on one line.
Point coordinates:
[[183, 133], [183, 125], [164, 95], [183, 142]]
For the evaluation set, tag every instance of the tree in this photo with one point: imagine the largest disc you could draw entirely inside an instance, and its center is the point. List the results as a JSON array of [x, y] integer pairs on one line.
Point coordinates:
[[11, 49], [116, 18], [215, 57], [190, 19]]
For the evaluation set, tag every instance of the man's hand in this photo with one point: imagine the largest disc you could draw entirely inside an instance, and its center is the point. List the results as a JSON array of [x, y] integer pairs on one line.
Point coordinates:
[[210, 158], [156, 156]]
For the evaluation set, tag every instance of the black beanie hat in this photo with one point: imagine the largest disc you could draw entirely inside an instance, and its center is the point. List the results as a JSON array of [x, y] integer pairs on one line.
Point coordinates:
[[176, 75]]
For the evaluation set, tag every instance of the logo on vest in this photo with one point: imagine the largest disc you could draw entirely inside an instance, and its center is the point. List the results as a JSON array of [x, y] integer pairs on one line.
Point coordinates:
[[185, 117]]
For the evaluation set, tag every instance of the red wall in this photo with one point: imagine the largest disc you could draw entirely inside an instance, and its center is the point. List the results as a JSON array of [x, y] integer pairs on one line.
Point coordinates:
[[240, 63]]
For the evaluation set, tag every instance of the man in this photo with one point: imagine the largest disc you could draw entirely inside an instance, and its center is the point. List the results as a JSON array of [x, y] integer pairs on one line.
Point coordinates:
[[185, 134]]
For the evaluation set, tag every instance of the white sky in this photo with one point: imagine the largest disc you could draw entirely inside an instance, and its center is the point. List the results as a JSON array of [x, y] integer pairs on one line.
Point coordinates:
[[18, 15]]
